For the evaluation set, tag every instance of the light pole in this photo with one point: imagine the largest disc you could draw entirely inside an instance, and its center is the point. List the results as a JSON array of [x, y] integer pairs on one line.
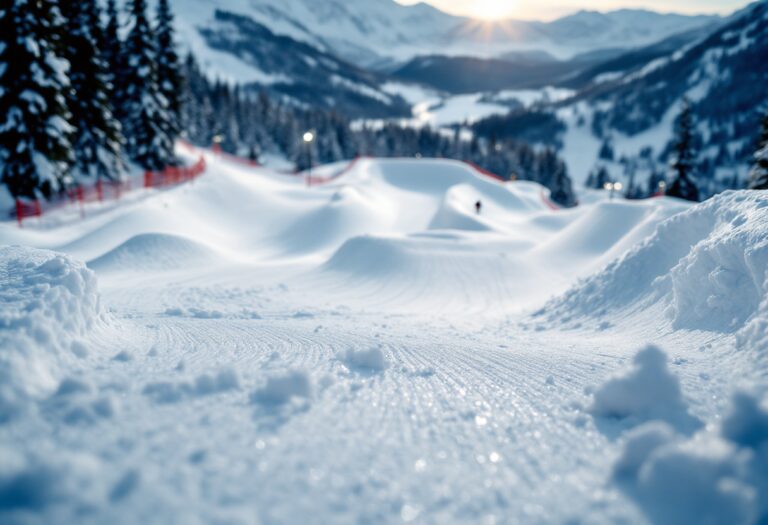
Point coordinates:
[[309, 137], [217, 140], [613, 187]]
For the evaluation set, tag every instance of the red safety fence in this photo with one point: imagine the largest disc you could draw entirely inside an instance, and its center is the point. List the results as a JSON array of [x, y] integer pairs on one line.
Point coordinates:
[[316, 180], [105, 190], [484, 171], [26, 209], [173, 175]]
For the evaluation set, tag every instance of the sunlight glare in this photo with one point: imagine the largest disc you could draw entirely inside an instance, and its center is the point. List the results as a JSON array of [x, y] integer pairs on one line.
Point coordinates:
[[493, 9]]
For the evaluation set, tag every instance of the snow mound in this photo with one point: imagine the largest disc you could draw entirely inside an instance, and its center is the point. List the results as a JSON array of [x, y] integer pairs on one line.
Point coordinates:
[[457, 212], [153, 251], [346, 213], [47, 303], [648, 391], [443, 270], [718, 476], [708, 265]]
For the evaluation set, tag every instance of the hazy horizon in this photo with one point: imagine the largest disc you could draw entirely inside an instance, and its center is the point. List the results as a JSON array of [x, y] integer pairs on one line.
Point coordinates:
[[552, 9]]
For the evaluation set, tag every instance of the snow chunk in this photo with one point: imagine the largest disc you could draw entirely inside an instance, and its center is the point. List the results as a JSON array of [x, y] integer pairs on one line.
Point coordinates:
[[167, 392], [281, 389], [747, 424], [372, 359], [41, 482], [647, 391], [641, 442], [47, 303], [708, 478]]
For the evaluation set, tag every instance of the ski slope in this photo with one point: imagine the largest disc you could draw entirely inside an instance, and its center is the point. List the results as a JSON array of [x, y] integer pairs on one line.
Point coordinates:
[[246, 349]]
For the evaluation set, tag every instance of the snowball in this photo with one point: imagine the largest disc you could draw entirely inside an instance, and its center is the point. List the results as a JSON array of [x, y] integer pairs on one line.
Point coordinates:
[[645, 392]]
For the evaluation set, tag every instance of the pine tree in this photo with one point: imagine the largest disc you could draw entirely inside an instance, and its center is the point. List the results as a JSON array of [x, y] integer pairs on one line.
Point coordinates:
[[112, 54], [758, 176], [34, 119], [145, 114], [97, 137], [168, 68], [683, 167]]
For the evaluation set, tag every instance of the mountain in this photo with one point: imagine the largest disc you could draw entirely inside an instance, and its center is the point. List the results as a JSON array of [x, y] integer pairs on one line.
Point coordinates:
[[623, 119], [338, 55], [618, 63], [382, 32], [294, 70], [369, 32]]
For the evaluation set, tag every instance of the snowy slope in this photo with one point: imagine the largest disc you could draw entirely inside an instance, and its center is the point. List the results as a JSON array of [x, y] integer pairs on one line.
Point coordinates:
[[363, 351]]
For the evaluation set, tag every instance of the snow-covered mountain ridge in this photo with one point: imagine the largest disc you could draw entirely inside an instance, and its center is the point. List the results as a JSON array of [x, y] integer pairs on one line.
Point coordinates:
[[383, 31]]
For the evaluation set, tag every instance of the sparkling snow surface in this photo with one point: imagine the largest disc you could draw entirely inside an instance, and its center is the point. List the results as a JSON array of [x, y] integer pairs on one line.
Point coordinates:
[[372, 351]]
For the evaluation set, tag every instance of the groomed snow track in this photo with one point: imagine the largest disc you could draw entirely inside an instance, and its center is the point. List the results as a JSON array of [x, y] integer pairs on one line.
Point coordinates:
[[364, 351]]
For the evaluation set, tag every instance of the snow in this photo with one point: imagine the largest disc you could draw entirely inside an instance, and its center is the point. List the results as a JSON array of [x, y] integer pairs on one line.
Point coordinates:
[[383, 30], [647, 392], [372, 359], [716, 476], [372, 350], [707, 266], [49, 301], [280, 389]]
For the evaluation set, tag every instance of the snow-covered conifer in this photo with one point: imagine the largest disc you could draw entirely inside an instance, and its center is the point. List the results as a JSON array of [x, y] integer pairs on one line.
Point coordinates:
[[35, 149], [758, 176], [97, 137], [168, 68], [684, 164], [145, 111]]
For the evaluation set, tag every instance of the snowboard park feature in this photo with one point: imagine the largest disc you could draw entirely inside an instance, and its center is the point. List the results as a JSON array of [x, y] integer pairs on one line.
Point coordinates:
[[247, 349]]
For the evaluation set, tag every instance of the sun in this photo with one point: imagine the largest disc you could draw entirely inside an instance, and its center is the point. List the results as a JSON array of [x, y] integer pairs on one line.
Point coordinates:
[[492, 9]]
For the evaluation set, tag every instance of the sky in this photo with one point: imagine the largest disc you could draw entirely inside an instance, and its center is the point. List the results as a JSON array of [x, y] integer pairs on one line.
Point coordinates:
[[551, 9]]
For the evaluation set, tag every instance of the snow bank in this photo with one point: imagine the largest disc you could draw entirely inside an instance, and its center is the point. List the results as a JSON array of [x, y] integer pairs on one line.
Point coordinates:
[[753, 338], [716, 476], [648, 391], [708, 265], [47, 303]]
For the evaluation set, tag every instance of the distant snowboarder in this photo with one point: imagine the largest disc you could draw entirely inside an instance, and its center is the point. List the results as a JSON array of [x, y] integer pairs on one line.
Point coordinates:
[[479, 207]]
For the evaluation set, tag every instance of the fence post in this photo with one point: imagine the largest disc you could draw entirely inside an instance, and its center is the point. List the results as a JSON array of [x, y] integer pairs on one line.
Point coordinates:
[[99, 190], [19, 213], [147, 179], [80, 199]]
